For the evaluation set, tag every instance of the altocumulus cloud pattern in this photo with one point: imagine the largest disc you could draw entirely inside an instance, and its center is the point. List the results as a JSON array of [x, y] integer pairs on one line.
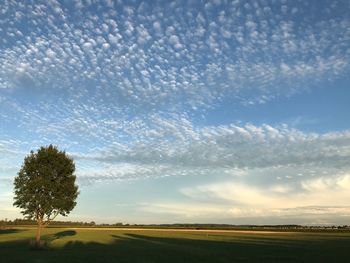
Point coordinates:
[[130, 88]]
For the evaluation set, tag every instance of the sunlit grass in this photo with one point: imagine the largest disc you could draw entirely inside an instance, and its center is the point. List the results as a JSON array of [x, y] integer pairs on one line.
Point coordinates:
[[120, 245]]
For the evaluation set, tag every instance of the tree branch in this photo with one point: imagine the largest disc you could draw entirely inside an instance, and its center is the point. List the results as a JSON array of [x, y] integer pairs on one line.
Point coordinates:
[[51, 219]]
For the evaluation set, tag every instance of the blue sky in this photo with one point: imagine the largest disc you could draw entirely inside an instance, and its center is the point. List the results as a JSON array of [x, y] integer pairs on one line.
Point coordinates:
[[183, 111]]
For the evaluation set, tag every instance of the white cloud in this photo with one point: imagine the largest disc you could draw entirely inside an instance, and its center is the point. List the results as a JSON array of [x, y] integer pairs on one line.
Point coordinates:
[[241, 203], [126, 79], [157, 27], [204, 213], [269, 55], [175, 41]]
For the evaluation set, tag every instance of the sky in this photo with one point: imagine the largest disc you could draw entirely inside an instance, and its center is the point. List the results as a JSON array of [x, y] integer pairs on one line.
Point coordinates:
[[183, 111]]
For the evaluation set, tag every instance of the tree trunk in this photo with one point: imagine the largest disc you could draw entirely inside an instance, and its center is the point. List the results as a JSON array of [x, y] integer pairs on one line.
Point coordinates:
[[38, 233]]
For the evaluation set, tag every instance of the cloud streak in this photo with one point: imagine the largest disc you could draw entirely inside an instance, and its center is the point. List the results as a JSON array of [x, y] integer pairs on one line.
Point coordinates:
[[178, 141]]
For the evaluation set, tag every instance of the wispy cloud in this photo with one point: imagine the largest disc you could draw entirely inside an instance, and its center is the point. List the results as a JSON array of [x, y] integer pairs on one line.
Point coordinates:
[[177, 141]]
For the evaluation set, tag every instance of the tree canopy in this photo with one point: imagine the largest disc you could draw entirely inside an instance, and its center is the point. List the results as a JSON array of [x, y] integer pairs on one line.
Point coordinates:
[[45, 186]]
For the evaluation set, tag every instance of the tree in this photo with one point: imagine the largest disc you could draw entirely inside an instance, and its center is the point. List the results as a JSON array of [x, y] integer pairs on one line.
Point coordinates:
[[45, 186]]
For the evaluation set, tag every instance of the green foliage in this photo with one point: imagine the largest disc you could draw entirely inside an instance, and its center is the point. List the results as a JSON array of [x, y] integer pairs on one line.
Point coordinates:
[[45, 185]]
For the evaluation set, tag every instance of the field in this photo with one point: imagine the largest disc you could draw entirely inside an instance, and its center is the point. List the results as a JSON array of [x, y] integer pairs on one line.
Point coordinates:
[[141, 245]]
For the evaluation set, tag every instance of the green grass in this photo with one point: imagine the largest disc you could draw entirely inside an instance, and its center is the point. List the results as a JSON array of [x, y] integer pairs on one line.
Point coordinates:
[[101, 245]]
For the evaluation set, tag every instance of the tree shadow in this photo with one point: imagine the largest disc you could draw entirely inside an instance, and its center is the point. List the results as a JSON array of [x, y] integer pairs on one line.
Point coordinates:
[[134, 247], [142, 248], [10, 231], [67, 233], [52, 237]]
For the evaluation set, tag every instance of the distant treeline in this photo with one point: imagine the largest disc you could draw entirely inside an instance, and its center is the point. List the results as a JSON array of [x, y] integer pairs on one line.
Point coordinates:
[[26, 222]]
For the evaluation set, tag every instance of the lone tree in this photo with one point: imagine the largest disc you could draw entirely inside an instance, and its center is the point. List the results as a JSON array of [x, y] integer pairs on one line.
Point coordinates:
[[45, 186]]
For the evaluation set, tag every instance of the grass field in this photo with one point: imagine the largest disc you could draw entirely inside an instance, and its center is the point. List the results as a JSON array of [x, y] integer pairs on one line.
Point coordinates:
[[113, 245]]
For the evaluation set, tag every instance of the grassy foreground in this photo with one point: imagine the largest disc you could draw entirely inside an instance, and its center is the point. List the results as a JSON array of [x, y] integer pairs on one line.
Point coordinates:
[[112, 245]]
